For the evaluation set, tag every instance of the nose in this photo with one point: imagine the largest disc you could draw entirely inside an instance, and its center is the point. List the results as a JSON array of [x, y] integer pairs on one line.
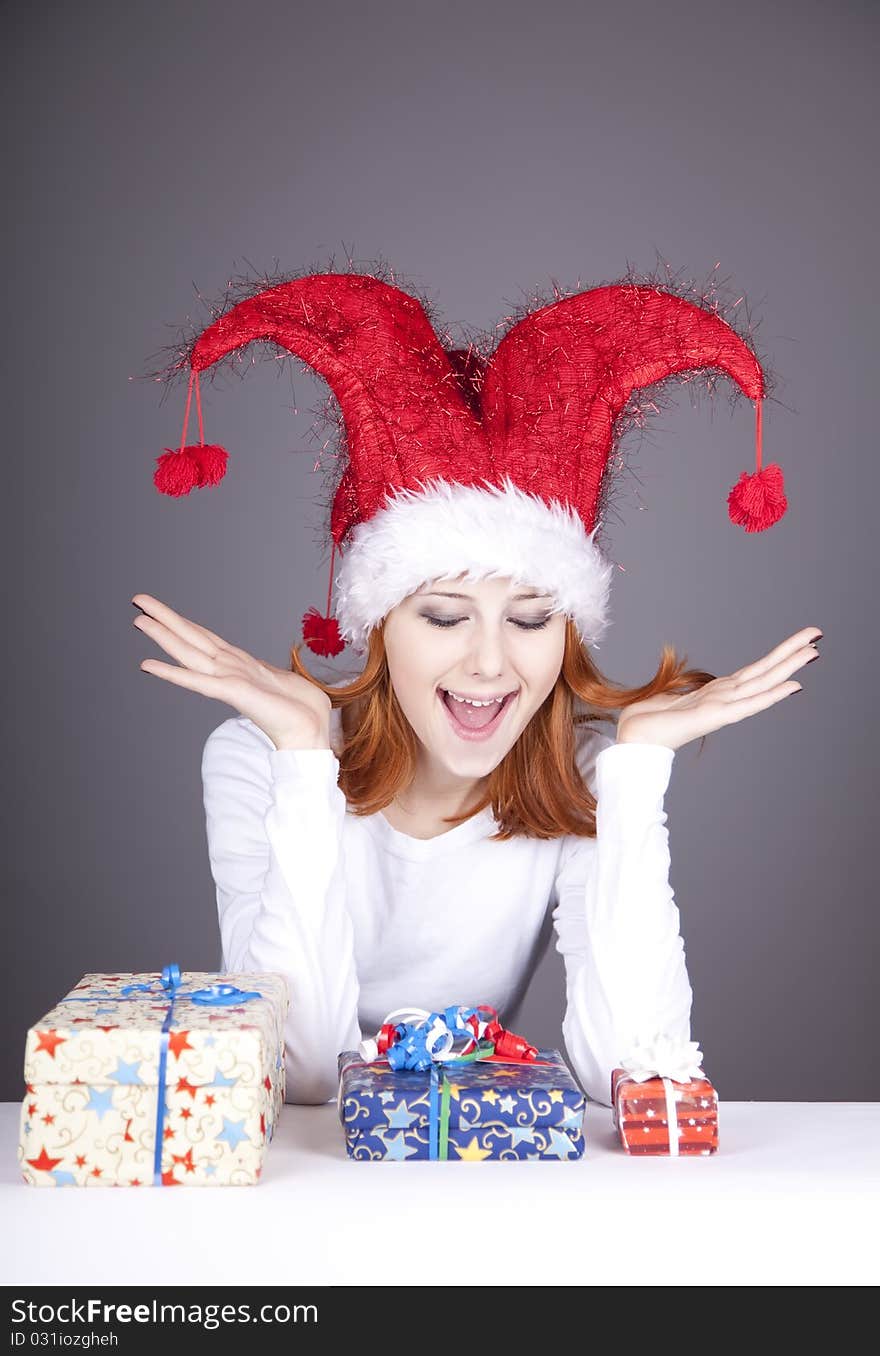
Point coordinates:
[[486, 658]]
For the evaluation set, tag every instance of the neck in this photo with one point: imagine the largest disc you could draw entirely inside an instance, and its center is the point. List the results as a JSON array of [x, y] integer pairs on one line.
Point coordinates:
[[437, 791]]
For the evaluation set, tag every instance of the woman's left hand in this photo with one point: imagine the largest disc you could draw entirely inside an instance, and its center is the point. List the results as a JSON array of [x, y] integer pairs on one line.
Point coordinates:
[[676, 720]]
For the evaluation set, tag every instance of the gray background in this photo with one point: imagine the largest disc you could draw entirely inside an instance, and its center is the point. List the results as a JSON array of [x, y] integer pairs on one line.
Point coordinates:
[[484, 150]]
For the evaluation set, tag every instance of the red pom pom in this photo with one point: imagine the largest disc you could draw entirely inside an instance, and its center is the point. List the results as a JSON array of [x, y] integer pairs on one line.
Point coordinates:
[[212, 461], [176, 473], [321, 634], [757, 501], [189, 469]]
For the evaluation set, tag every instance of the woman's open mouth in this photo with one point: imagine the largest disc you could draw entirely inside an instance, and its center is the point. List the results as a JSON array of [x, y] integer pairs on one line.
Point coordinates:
[[475, 723]]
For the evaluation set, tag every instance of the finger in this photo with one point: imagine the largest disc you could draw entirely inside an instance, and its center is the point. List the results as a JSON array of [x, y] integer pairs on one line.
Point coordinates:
[[179, 649], [760, 701], [771, 677], [208, 686], [799, 641], [197, 635]]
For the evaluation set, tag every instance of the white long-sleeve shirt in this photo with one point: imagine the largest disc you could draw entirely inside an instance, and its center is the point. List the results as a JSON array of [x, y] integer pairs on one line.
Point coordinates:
[[362, 918]]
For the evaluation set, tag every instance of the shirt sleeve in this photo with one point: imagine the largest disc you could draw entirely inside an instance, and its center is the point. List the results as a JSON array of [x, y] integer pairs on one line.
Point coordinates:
[[616, 921], [274, 821]]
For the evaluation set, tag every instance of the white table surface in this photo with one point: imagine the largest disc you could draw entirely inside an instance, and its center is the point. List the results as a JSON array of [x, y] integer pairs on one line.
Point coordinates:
[[790, 1198]]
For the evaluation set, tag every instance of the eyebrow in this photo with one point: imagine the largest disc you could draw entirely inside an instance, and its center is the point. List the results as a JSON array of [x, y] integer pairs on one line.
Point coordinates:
[[519, 597]]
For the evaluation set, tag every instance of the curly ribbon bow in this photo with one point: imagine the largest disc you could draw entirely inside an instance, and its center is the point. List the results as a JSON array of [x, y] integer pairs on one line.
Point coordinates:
[[415, 1039], [673, 1061], [220, 995]]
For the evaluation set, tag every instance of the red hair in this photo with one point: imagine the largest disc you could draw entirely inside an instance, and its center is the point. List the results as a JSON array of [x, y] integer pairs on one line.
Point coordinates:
[[536, 790]]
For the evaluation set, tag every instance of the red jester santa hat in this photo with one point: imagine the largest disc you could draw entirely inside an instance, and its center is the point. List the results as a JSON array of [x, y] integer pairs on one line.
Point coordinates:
[[459, 462]]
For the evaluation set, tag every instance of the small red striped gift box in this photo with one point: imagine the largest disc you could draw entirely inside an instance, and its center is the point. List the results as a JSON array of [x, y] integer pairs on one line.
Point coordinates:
[[662, 1102]]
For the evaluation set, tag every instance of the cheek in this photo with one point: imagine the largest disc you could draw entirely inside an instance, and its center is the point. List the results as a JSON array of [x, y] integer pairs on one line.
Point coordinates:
[[427, 656], [415, 669], [421, 698], [540, 665]]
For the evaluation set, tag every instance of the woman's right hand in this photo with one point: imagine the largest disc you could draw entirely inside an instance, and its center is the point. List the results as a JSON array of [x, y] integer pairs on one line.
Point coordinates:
[[293, 712]]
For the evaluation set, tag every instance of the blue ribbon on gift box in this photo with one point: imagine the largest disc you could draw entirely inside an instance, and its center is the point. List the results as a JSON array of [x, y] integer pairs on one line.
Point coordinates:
[[218, 995], [417, 1048]]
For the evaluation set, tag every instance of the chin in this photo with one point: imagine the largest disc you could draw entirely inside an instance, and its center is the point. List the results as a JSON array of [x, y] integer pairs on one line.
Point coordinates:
[[474, 763], [471, 759]]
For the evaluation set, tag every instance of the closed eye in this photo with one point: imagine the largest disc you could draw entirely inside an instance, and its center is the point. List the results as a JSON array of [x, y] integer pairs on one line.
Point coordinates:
[[453, 621]]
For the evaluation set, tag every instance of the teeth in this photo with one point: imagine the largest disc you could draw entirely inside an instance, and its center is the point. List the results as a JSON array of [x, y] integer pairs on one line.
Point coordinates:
[[467, 701]]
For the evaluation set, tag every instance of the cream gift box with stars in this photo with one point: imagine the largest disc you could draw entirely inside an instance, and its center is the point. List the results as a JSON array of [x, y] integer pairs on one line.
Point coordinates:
[[95, 1066]]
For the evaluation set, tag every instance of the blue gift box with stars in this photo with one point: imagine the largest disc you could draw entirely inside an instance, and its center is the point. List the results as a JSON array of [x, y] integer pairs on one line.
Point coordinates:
[[472, 1111], [162, 1079]]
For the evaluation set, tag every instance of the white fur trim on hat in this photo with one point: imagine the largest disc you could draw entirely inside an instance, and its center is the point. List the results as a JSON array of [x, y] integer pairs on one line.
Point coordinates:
[[449, 529]]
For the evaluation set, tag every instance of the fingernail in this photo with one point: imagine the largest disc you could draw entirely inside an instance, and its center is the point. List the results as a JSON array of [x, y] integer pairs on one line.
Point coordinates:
[[815, 657]]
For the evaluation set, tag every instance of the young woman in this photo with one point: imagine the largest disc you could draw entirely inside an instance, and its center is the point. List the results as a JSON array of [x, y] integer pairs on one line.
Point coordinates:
[[417, 836], [409, 893]]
